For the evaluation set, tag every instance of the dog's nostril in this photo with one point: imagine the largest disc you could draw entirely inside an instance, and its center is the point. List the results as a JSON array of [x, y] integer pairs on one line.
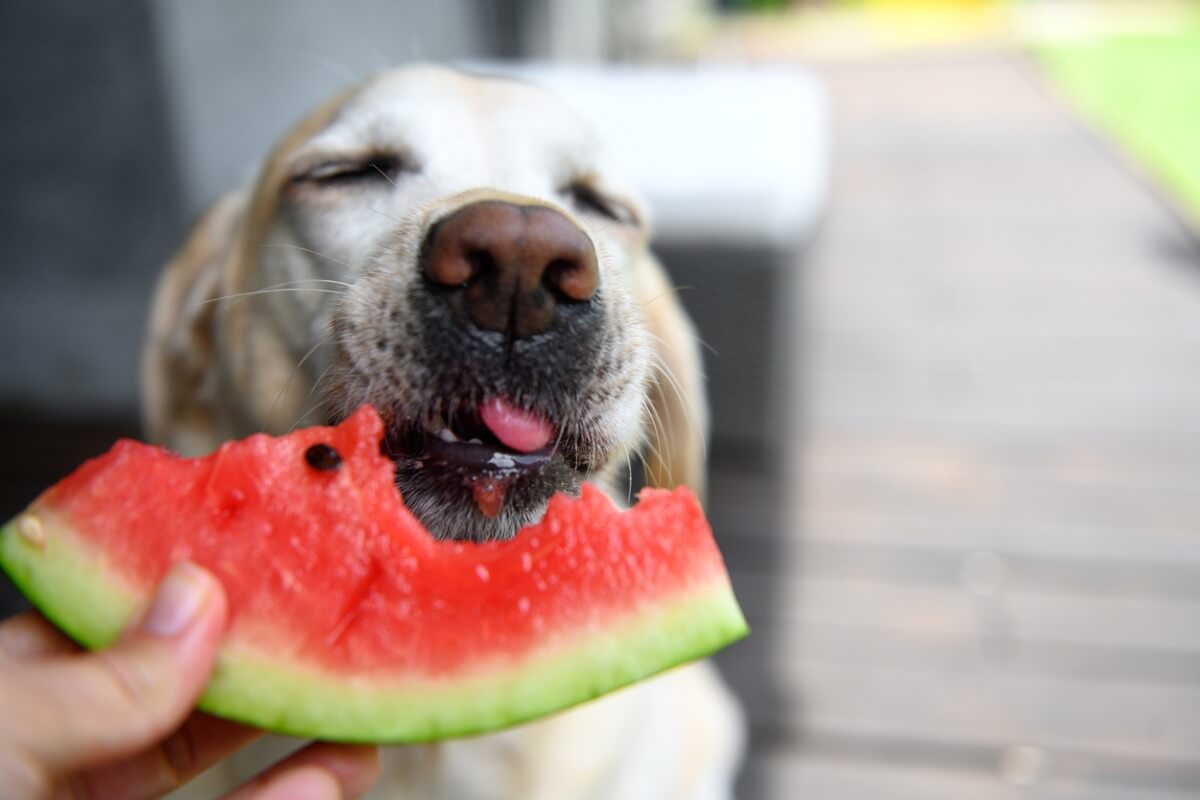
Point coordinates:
[[447, 266], [571, 280], [482, 263]]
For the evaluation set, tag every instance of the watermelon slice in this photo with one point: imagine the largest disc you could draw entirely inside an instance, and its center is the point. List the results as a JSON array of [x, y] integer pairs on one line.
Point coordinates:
[[349, 622]]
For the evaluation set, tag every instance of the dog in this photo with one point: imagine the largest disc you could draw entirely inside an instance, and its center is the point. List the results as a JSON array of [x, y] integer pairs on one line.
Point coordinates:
[[452, 249]]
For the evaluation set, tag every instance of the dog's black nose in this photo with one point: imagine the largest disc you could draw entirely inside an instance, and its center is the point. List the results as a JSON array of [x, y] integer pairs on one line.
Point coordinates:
[[512, 265]]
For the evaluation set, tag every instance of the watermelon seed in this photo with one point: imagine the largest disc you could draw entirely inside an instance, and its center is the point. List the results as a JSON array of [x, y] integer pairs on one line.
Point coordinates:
[[322, 456], [30, 529]]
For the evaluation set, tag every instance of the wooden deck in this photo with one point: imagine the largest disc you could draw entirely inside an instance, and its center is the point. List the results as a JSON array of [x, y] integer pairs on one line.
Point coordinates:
[[984, 579]]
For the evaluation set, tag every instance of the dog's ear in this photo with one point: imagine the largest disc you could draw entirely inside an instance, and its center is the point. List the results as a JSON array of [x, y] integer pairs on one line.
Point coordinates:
[[677, 427], [178, 357]]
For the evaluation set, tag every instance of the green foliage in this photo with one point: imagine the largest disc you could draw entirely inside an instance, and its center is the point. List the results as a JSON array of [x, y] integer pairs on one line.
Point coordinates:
[[1145, 92], [756, 5]]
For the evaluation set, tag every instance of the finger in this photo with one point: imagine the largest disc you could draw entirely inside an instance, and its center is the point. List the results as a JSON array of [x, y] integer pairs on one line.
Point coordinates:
[[349, 770], [303, 783], [29, 635], [198, 744], [80, 711]]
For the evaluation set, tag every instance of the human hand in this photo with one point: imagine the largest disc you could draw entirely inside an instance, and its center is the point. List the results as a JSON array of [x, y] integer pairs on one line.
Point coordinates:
[[118, 723]]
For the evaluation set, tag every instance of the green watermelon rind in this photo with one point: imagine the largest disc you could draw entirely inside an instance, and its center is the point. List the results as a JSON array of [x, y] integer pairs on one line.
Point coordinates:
[[64, 584]]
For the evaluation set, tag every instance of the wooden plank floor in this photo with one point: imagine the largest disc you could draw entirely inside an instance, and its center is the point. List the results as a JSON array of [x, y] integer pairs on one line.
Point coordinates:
[[988, 579]]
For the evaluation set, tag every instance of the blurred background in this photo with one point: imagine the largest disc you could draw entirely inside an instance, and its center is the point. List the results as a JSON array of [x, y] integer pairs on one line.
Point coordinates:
[[944, 257]]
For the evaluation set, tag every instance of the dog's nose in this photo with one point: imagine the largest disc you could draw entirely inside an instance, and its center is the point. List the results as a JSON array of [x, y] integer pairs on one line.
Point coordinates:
[[511, 265]]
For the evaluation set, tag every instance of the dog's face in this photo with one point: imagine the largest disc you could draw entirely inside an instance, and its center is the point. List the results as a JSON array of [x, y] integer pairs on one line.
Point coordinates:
[[448, 249]]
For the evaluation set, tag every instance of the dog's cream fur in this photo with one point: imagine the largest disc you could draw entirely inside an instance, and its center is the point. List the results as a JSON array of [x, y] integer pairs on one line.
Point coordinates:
[[249, 332]]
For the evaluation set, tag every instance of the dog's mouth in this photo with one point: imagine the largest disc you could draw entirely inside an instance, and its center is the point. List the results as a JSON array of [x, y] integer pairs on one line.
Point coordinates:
[[493, 445], [479, 471]]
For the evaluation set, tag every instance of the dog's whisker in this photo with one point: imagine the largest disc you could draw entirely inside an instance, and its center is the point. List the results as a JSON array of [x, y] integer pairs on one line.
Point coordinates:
[[668, 374], [311, 410], [286, 384], [670, 290], [665, 449], [270, 290], [558, 440], [301, 281], [645, 462], [386, 177], [696, 336], [603, 227], [700, 341], [658, 436], [317, 383], [318, 254], [691, 417], [661, 365], [594, 451], [385, 215], [629, 478]]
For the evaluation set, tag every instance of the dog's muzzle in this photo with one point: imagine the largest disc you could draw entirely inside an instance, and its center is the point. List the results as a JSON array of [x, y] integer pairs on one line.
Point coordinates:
[[508, 309]]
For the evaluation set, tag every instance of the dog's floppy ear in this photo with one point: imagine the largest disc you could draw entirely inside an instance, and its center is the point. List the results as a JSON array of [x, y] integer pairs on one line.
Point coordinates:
[[193, 346], [178, 358], [678, 424]]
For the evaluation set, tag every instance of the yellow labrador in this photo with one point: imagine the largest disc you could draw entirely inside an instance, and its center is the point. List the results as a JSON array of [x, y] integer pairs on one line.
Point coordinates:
[[451, 249]]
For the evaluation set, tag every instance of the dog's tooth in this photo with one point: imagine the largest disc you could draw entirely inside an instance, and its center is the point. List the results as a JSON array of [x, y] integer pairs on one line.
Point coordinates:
[[474, 441], [446, 435]]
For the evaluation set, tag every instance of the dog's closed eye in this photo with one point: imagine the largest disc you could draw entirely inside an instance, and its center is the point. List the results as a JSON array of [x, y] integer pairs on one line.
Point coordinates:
[[588, 200], [355, 170]]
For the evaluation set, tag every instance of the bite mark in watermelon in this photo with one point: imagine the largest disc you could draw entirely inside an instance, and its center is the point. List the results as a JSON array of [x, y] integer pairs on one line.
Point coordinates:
[[349, 621]]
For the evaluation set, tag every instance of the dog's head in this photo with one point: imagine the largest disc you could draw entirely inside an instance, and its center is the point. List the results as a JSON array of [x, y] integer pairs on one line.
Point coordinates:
[[449, 249]]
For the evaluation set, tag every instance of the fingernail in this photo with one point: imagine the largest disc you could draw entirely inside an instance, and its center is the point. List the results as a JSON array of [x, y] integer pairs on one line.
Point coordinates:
[[178, 601], [355, 766], [306, 783]]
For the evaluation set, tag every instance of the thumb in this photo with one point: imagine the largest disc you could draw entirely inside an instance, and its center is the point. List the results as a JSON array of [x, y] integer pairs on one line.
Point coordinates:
[[85, 710]]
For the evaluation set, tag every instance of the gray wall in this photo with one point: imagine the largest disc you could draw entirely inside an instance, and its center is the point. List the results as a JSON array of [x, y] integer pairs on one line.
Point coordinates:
[[238, 74], [122, 120], [90, 203]]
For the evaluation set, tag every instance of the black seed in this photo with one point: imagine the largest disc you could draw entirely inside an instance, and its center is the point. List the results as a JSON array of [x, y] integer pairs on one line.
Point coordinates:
[[322, 456]]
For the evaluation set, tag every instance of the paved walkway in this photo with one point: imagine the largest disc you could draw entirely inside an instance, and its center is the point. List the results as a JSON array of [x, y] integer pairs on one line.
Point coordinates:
[[991, 580]]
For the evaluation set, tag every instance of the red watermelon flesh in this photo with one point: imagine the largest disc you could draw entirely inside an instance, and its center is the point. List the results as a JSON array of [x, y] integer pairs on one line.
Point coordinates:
[[348, 620]]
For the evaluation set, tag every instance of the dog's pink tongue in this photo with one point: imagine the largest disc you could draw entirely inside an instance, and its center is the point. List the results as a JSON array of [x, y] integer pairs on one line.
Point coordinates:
[[516, 428]]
